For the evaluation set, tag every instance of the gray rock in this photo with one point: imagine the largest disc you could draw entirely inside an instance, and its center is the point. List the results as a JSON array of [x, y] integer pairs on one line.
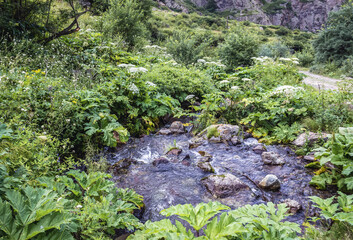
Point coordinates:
[[309, 158], [303, 15], [206, 157], [223, 133], [177, 127], [161, 160], [174, 151], [227, 131], [223, 186], [259, 149], [293, 206], [272, 158], [122, 165], [164, 131], [308, 137], [270, 182], [205, 166], [235, 140]]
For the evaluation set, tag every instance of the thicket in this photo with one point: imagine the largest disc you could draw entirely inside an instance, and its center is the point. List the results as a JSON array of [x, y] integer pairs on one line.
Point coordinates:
[[333, 45], [62, 102]]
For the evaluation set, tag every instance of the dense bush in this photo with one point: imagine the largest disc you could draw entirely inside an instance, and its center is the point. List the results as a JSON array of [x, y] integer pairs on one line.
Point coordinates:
[[334, 43], [238, 49], [274, 50], [186, 49], [127, 19]]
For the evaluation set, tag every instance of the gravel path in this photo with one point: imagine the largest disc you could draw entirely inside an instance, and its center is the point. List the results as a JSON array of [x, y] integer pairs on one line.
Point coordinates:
[[320, 82]]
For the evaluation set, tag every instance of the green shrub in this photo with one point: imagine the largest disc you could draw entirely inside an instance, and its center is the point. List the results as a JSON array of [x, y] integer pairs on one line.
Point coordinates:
[[238, 48], [337, 151], [186, 49], [306, 57], [334, 42], [274, 50], [179, 82], [127, 18]]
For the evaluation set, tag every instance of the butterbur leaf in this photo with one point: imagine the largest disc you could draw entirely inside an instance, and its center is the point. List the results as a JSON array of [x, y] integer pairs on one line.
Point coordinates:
[[6, 219], [349, 183], [226, 226]]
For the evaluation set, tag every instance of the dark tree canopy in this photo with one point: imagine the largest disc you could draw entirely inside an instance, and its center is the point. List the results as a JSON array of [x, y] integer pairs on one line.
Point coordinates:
[[43, 19], [335, 41]]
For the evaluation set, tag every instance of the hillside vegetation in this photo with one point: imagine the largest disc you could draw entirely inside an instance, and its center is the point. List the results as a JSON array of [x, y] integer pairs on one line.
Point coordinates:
[[78, 80]]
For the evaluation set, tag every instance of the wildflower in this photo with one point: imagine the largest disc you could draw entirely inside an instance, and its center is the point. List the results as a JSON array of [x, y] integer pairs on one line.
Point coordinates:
[[137, 69], [150, 84], [68, 120], [79, 206], [188, 97], [234, 88], [133, 88], [224, 82], [126, 65]]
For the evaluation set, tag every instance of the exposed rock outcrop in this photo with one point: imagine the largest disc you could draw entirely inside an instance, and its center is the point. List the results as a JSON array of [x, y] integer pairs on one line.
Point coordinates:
[[297, 14]]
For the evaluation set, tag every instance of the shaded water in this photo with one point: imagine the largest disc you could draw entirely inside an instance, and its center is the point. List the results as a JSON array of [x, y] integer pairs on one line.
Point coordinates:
[[179, 180]]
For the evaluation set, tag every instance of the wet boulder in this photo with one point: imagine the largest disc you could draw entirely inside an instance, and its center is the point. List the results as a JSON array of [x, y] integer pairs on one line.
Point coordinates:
[[174, 152], [225, 185], [309, 138], [205, 166], [235, 140], [270, 182], [259, 149], [293, 206], [217, 133], [177, 127], [205, 156], [164, 131], [272, 158], [122, 165], [161, 160]]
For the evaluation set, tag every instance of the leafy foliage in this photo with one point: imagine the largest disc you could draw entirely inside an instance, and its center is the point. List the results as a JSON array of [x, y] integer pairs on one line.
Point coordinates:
[[338, 152], [248, 222], [334, 42], [239, 46]]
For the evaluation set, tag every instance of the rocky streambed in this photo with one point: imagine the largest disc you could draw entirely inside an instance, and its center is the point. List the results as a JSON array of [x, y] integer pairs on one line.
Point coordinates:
[[219, 164]]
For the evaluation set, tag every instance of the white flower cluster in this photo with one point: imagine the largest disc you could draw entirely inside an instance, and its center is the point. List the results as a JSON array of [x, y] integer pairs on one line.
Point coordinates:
[[293, 60], [134, 89], [150, 84], [286, 90], [204, 62], [137, 69], [123, 65], [188, 97], [155, 47], [224, 82], [262, 60]]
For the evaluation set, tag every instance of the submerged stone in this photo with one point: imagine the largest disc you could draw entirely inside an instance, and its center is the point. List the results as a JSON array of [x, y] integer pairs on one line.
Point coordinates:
[[272, 158], [223, 186], [270, 182], [177, 127]]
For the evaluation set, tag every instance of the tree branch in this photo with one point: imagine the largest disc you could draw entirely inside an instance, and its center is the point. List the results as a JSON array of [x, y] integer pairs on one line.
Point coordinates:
[[66, 31]]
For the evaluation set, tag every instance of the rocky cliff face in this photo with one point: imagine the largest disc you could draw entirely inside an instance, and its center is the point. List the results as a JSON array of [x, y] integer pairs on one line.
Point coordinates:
[[307, 15]]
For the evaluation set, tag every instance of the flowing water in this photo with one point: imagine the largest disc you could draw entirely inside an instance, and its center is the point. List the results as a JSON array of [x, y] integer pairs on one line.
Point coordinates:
[[178, 181]]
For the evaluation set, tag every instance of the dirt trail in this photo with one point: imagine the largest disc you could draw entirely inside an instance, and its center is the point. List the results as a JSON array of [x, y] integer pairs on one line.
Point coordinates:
[[320, 82]]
